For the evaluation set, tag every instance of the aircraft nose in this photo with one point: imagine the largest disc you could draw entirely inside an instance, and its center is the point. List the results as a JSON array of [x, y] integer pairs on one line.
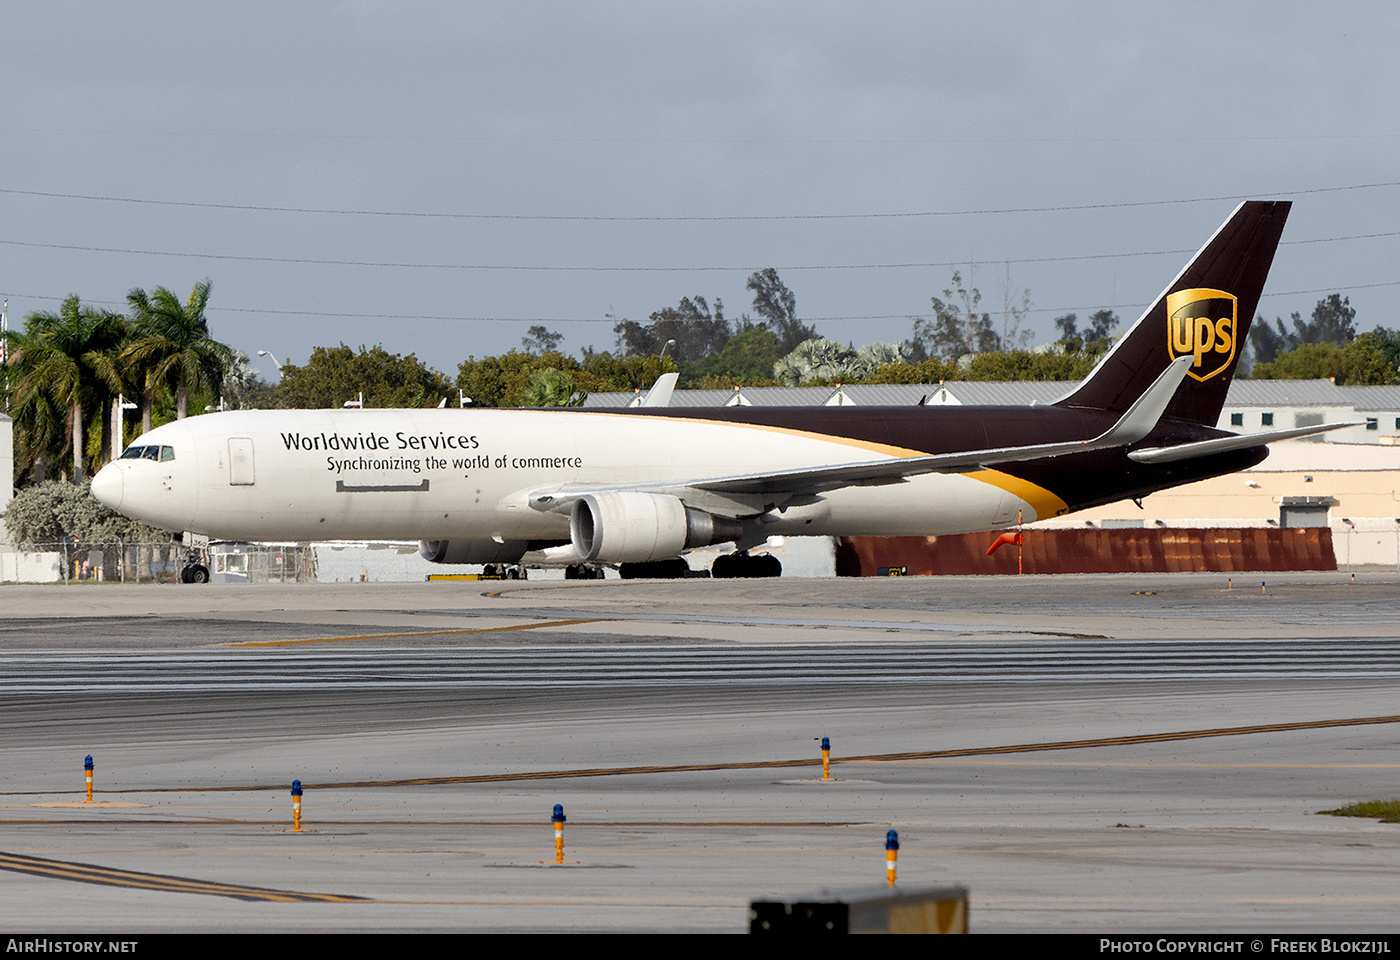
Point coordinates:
[[107, 486]]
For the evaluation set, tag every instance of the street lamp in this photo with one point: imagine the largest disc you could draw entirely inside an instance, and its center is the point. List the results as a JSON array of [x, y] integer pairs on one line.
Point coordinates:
[[264, 353]]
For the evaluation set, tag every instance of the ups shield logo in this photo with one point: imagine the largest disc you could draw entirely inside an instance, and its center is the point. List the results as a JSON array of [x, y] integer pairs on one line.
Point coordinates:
[[1201, 323]]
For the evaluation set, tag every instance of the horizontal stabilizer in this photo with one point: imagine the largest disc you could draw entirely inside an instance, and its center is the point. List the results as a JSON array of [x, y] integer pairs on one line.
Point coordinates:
[[1205, 448]]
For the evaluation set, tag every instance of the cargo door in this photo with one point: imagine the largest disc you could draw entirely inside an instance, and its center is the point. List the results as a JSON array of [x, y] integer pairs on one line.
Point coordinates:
[[240, 462]]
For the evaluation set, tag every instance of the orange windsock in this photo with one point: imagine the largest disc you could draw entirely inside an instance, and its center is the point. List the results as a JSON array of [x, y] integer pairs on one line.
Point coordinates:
[[1017, 538]]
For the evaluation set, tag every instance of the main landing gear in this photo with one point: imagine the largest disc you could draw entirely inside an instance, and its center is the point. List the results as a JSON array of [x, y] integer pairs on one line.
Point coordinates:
[[504, 571], [194, 573], [743, 565], [674, 569], [582, 571]]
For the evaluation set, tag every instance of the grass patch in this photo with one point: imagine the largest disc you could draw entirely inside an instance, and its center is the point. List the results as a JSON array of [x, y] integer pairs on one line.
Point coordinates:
[[1386, 811]]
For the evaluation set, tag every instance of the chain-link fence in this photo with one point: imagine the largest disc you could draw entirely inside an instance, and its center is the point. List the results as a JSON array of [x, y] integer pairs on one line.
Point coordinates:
[[158, 563]]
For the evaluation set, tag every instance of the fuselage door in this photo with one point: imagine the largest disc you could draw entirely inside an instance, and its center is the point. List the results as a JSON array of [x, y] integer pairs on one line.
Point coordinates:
[[240, 462]]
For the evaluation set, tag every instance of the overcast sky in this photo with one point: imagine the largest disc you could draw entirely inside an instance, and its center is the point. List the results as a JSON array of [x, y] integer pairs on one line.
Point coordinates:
[[559, 163]]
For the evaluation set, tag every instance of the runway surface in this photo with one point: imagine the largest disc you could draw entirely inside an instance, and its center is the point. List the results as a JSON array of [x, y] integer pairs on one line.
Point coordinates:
[[1089, 754]]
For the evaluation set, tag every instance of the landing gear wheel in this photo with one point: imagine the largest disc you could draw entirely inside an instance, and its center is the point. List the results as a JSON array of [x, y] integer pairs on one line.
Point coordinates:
[[743, 566], [654, 570], [194, 573]]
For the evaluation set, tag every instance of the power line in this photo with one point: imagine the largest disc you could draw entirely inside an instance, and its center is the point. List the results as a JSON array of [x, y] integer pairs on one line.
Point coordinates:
[[701, 141], [686, 219], [313, 261]]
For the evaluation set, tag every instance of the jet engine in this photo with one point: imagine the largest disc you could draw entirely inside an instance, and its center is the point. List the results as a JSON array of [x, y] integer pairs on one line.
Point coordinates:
[[633, 527], [472, 551]]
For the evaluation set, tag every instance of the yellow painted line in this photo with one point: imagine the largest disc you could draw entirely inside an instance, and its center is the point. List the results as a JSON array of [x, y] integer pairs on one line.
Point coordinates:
[[1211, 900], [1161, 766], [89, 873], [326, 826], [423, 633]]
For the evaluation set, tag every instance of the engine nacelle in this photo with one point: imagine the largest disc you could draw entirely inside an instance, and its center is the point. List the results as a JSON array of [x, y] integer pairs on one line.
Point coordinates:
[[472, 551], [632, 527]]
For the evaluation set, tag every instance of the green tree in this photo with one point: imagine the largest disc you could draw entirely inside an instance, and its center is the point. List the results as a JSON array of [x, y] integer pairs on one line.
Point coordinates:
[[1029, 365], [54, 511], [552, 387], [500, 381], [927, 370], [171, 346], [1388, 342], [541, 340], [995, 366], [746, 355], [40, 435], [777, 307], [603, 372], [698, 331], [67, 360], [334, 375], [1015, 308], [1361, 362], [827, 361], [958, 327], [1102, 323], [1333, 321], [243, 387]]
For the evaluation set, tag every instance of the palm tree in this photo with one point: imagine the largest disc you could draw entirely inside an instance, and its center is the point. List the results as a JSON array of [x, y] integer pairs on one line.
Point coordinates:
[[66, 361], [551, 388], [171, 346], [39, 434]]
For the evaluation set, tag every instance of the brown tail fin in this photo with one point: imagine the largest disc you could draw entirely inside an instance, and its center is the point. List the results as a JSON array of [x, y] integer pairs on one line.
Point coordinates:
[[1205, 312]]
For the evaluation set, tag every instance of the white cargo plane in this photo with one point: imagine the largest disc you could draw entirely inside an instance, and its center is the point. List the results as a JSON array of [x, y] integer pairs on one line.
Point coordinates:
[[586, 488]]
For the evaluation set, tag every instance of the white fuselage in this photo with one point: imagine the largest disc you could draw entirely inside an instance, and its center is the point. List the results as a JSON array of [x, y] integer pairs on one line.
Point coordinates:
[[470, 474]]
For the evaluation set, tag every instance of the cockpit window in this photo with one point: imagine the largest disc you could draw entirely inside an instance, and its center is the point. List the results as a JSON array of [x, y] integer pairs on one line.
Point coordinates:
[[148, 453]]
